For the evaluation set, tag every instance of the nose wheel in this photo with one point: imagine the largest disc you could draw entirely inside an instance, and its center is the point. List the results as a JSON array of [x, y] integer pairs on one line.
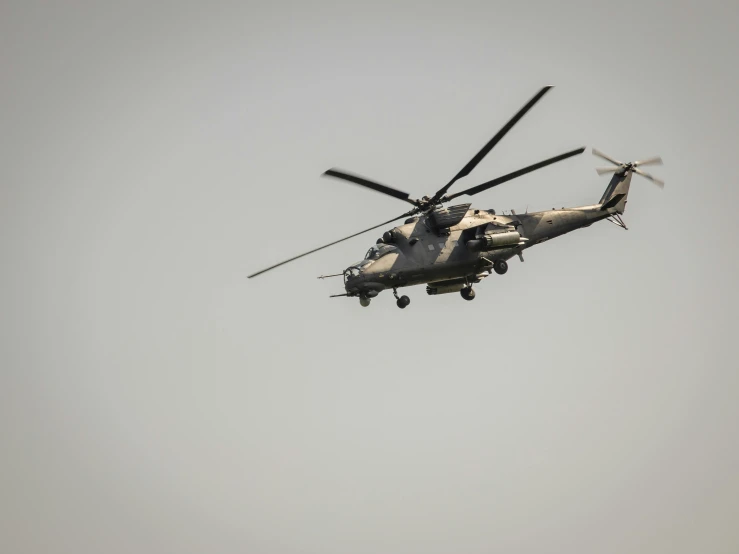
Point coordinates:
[[500, 266], [402, 301], [467, 293]]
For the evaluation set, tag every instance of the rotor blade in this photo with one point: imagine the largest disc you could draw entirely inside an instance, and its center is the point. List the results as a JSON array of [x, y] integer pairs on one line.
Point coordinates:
[[656, 160], [357, 180], [603, 170], [493, 141], [327, 245], [605, 157], [659, 182], [524, 171]]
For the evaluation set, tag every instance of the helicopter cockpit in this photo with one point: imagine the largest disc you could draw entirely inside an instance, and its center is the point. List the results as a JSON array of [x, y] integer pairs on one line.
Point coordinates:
[[373, 254], [379, 250]]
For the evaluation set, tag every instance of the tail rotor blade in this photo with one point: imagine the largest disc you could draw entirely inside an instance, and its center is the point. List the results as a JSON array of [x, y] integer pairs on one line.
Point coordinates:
[[606, 157], [631, 166], [604, 170], [656, 160], [659, 182]]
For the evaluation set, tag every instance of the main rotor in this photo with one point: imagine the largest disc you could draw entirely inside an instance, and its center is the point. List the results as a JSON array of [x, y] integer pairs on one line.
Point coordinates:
[[427, 204]]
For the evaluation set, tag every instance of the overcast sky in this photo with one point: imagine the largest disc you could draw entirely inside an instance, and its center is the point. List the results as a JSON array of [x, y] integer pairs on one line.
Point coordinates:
[[152, 399]]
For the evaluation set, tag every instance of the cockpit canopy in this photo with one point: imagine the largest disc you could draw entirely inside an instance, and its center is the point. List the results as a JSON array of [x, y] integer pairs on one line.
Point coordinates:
[[372, 255], [379, 250]]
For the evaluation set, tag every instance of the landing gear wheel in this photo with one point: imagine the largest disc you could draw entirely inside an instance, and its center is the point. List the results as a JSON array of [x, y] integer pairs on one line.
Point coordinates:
[[500, 266], [364, 301], [467, 293], [403, 301]]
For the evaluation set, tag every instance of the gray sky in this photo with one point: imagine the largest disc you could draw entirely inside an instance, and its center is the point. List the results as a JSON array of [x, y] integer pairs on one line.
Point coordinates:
[[154, 400]]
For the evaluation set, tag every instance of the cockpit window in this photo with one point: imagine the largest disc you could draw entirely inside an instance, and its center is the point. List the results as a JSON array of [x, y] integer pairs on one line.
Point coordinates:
[[374, 253], [379, 250]]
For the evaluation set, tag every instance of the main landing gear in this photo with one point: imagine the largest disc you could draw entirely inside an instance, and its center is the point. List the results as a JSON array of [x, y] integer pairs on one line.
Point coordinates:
[[467, 293], [402, 301], [500, 266]]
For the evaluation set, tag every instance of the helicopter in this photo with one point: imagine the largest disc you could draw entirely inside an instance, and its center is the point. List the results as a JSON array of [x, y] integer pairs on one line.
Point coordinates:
[[450, 248]]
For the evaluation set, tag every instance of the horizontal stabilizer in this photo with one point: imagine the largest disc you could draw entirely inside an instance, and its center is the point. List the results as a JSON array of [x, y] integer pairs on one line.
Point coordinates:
[[613, 201]]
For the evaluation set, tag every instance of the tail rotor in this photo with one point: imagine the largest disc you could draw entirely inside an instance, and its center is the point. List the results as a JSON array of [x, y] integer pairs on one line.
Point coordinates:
[[630, 166]]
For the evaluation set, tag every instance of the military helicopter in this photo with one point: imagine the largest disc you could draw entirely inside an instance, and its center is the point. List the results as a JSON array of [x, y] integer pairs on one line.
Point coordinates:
[[451, 248]]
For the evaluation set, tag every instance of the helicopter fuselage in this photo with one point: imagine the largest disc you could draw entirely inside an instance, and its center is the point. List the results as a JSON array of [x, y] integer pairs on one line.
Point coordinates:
[[451, 247], [452, 258]]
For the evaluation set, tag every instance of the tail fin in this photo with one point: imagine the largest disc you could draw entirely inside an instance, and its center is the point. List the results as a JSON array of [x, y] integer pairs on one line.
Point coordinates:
[[614, 197], [616, 192]]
